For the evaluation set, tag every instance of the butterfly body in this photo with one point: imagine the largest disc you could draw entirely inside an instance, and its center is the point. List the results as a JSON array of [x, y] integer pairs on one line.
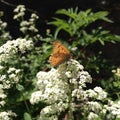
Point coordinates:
[[59, 55]]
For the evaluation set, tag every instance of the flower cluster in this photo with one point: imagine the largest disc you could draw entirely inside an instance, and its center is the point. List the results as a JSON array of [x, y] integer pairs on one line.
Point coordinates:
[[116, 82], [4, 35], [116, 72], [10, 48], [97, 109], [93, 116], [97, 93], [3, 25], [2, 97], [65, 89], [29, 26], [113, 108], [49, 86], [20, 10], [25, 26], [7, 80], [60, 87], [14, 75], [7, 115]]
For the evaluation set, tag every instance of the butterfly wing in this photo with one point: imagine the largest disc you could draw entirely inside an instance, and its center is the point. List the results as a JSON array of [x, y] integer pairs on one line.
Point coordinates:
[[59, 55], [57, 59]]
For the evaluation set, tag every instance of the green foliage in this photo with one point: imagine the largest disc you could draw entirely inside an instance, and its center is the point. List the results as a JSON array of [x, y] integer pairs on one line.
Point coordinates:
[[77, 20], [113, 84], [30, 62], [76, 24], [27, 116]]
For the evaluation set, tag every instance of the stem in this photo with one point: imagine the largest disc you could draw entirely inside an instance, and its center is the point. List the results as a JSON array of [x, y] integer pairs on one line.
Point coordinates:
[[70, 112], [26, 105]]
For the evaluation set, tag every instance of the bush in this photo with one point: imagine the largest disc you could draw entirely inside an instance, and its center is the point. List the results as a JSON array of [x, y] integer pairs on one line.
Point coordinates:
[[64, 91]]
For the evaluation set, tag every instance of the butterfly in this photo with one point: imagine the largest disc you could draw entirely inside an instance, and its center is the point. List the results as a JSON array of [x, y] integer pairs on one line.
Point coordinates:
[[59, 54]]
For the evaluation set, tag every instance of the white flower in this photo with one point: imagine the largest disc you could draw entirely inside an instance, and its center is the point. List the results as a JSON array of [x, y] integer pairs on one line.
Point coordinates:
[[34, 16], [11, 70], [101, 93], [53, 109], [2, 95], [113, 108], [14, 75], [32, 28], [36, 97], [78, 93], [92, 116], [1, 86], [2, 77], [74, 48], [10, 48], [24, 23], [23, 44], [4, 116], [94, 106], [3, 25], [68, 74], [7, 115], [2, 103], [117, 72], [91, 93], [17, 71], [19, 15], [103, 111], [58, 88], [85, 77], [20, 8], [23, 29]]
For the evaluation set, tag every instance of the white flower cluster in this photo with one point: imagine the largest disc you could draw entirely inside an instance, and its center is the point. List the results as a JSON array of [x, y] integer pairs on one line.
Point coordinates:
[[113, 108], [93, 116], [97, 93], [64, 89], [25, 26], [29, 26], [94, 106], [99, 109], [53, 109], [7, 81], [13, 76], [2, 93], [20, 10], [116, 72], [9, 49], [50, 86], [7, 115], [2, 97], [59, 87], [3, 25], [4, 35]]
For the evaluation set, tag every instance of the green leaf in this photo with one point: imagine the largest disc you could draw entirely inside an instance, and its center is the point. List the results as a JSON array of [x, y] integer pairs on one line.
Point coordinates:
[[77, 20], [19, 87], [27, 116]]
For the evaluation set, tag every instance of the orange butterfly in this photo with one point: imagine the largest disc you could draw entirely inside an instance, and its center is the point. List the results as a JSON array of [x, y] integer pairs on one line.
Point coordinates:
[[59, 55]]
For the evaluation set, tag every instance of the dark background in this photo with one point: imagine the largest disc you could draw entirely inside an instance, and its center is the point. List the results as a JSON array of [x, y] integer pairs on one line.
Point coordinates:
[[45, 9]]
